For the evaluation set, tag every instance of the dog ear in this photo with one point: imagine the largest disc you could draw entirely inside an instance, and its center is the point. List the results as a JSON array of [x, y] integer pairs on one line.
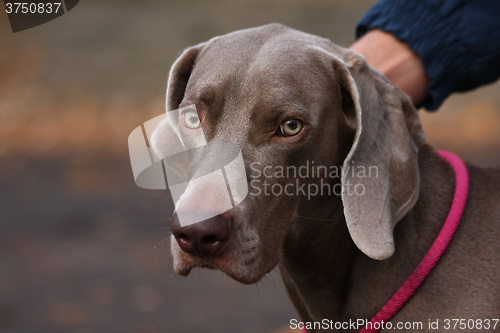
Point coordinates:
[[380, 176], [166, 140], [179, 76]]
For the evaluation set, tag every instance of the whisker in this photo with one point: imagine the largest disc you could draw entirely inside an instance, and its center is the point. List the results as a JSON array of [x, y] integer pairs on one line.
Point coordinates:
[[155, 233]]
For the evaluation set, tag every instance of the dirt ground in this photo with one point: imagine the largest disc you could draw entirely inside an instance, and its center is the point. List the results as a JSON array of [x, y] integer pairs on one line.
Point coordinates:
[[82, 248]]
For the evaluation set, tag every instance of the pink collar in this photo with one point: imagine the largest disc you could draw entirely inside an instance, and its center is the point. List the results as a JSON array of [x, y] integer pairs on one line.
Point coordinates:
[[435, 252]]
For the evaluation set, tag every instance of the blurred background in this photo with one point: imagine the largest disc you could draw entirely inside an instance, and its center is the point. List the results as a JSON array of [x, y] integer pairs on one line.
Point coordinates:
[[82, 249]]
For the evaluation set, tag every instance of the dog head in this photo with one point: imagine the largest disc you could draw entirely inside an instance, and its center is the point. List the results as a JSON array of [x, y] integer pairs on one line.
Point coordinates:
[[288, 100]]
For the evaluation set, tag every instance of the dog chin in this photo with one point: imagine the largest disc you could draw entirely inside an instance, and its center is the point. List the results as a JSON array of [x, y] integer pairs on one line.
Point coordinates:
[[247, 270]]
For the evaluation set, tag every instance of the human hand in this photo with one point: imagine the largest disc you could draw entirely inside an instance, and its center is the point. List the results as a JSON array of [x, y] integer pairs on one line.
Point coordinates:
[[393, 58]]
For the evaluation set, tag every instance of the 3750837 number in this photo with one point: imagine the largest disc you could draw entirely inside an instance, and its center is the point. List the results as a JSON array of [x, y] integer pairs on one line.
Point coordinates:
[[471, 324], [32, 7]]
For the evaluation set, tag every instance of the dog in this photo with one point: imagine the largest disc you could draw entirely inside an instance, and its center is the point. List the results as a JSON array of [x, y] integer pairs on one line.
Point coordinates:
[[289, 99]]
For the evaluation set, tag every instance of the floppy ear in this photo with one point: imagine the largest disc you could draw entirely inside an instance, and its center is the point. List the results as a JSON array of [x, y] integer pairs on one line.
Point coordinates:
[[380, 176], [179, 76], [165, 139]]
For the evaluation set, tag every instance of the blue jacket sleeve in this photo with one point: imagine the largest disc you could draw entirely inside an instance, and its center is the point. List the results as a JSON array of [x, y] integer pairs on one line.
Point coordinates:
[[457, 40]]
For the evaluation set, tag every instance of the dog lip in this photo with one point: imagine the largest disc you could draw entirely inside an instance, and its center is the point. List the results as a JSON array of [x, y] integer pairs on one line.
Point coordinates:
[[242, 272], [185, 268], [184, 271]]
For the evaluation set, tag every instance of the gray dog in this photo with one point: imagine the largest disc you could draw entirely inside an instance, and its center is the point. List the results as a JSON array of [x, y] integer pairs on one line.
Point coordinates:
[[289, 99]]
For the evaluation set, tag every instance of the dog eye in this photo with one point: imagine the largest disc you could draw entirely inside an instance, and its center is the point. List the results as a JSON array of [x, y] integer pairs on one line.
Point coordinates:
[[190, 119], [291, 127]]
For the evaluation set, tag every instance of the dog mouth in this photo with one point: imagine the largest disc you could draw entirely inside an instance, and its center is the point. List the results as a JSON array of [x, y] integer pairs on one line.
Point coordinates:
[[242, 265]]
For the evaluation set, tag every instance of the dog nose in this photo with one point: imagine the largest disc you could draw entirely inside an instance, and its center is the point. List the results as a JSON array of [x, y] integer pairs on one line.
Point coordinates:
[[205, 238]]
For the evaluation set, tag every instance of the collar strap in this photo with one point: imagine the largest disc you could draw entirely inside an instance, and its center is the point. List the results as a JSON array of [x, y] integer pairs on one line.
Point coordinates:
[[437, 249], [435, 252]]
